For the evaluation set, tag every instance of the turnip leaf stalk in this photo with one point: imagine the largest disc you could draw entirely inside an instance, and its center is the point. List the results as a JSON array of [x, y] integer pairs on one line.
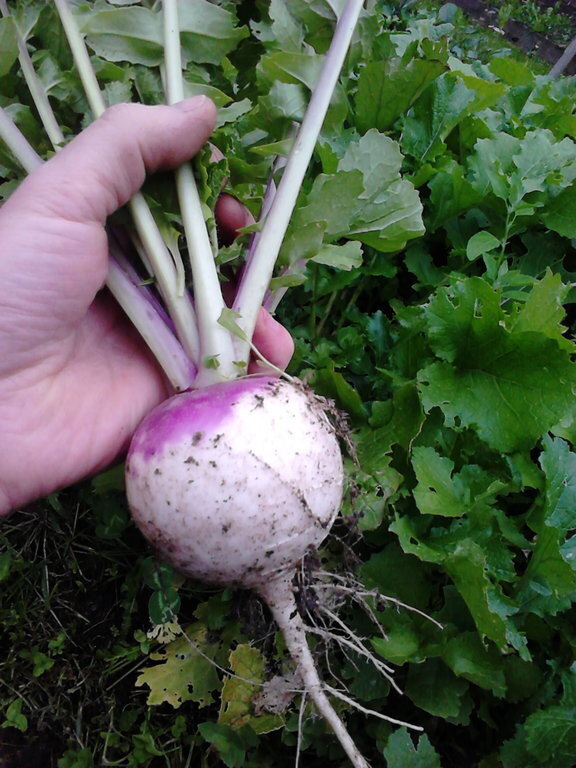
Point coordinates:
[[35, 86], [215, 341], [26, 155], [256, 278]]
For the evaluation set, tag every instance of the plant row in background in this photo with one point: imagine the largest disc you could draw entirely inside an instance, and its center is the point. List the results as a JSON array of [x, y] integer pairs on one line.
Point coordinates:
[[554, 20], [438, 218]]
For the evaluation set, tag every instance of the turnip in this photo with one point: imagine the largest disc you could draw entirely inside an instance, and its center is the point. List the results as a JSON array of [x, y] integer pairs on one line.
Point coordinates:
[[233, 484], [212, 460], [253, 464], [236, 479]]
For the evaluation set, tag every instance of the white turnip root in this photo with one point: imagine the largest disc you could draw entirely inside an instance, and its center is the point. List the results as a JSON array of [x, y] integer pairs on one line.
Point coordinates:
[[233, 484]]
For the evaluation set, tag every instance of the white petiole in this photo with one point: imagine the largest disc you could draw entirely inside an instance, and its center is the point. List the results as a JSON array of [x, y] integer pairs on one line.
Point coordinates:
[[215, 341], [28, 158], [35, 86], [257, 276]]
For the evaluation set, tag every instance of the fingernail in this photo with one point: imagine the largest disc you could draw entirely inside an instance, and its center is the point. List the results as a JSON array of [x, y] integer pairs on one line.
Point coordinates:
[[194, 104]]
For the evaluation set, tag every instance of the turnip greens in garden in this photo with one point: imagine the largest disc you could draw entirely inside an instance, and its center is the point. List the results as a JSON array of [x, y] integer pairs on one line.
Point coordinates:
[[430, 267]]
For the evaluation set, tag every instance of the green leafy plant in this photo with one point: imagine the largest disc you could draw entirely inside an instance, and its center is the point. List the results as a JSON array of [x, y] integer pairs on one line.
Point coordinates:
[[546, 19]]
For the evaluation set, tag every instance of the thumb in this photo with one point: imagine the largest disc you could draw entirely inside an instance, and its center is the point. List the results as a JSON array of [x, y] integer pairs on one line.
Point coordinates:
[[105, 165]]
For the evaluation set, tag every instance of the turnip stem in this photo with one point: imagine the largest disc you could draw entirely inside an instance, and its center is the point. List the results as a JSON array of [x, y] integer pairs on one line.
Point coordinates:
[[267, 200], [161, 341], [271, 298], [144, 315], [215, 340], [257, 277], [179, 305], [35, 87], [279, 596], [119, 237], [81, 58], [28, 158]]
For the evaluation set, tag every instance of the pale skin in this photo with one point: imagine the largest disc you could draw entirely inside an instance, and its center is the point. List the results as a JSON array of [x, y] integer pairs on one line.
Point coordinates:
[[75, 378]]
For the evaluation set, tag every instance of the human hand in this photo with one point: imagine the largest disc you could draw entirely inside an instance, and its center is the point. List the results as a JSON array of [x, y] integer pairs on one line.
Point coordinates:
[[75, 377]]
